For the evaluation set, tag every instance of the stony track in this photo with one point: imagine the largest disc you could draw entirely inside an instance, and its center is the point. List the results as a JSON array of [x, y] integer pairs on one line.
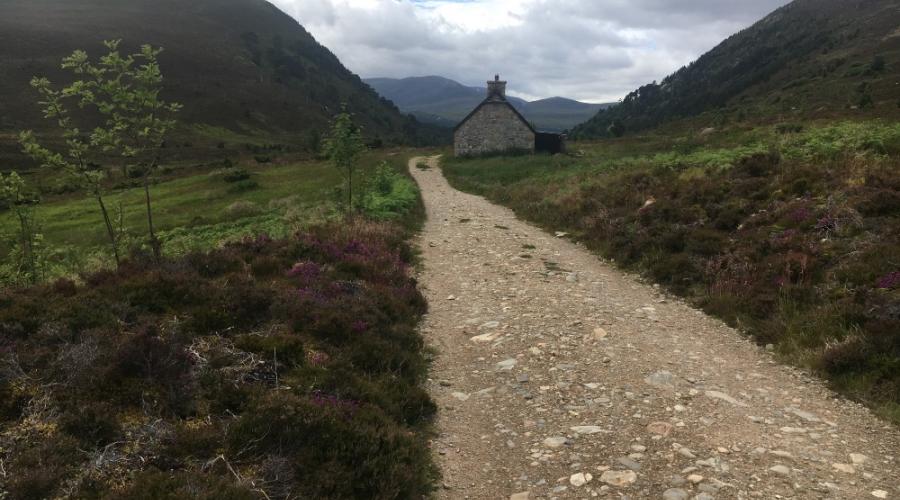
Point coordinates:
[[559, 376]]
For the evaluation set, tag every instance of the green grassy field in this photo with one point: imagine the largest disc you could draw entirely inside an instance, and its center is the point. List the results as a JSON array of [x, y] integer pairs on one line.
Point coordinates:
[[788, 233], [196, 208]]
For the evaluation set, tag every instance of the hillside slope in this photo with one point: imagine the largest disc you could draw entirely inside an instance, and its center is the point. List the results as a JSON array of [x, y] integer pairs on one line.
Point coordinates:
[[441, 101], [240, 65], [809, 59]]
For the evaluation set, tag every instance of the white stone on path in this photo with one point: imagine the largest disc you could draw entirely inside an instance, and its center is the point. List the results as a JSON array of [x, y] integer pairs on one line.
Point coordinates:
[[780, 470], [805, 415], [487, 337], [660, 428], [661, 380], [588, 429], [880, 494], [618, 478], [858, 458], [675, 494], [525, 495], [460, 396], [506, 365], [580, 479], [555, 442], [724, 397], [845, 468]]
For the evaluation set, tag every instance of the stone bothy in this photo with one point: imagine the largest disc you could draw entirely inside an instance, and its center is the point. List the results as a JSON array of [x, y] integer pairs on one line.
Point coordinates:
[[495, 126]]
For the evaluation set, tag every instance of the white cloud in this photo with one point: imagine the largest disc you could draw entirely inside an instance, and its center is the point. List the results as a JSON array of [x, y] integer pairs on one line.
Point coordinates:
[[593, 50]]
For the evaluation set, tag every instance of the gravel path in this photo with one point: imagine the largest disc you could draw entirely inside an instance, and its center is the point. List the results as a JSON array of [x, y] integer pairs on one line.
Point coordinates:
[[558, 376]]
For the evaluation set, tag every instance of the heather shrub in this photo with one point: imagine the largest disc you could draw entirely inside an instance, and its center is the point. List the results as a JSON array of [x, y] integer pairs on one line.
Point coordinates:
[[296, 359], [41, 467], [287, 349], [158, 485], [215, 263], [93, 425], [319, 432], [194, 440], [266, 266]]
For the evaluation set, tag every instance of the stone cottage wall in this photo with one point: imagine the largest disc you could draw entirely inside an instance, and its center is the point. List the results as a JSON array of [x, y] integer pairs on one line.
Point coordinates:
[[495, 128]]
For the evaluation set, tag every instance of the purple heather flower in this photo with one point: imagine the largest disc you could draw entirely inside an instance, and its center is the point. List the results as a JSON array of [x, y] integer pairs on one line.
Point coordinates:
[[318, 358], [889, 281], [305, 271], [827, 224], [348, 407], [800, 214]]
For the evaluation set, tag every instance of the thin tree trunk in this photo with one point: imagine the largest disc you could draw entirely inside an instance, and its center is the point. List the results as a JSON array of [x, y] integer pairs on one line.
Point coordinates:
[[109, 229], [154, 242], [349, 191], [27, 244]]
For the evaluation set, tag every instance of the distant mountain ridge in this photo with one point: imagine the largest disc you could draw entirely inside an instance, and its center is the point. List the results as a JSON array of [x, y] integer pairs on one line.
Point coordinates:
[[442, 101], [811, 59]]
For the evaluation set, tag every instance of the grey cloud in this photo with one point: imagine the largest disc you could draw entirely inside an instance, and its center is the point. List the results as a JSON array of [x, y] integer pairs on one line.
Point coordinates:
[[585, 49]]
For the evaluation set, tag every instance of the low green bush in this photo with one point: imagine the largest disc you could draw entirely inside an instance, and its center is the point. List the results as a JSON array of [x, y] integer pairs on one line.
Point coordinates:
[[241, 209], [389, 194], [243, 186], [235, 174]]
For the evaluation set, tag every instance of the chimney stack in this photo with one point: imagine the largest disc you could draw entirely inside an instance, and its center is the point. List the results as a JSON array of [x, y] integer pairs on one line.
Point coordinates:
[[496, 89]]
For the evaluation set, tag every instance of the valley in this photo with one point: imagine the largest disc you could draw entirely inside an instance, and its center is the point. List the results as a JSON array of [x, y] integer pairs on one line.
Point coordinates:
[[232, 267]]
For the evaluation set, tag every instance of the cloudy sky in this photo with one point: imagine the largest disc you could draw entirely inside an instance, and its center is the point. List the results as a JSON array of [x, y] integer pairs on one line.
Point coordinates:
[[592, 50]]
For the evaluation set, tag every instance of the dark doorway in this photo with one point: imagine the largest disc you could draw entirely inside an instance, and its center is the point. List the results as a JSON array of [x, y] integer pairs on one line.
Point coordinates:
[[549, 143]]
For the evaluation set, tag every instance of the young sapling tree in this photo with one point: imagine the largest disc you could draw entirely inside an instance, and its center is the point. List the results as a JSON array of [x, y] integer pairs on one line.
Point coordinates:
[[343, 147], [124, 91], [21, 202]]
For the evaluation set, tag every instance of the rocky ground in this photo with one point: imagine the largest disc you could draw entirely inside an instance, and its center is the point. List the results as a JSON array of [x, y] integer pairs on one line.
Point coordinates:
[[558, 376]]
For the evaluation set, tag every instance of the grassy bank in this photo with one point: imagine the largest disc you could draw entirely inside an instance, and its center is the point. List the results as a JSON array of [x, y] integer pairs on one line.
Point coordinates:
[[200, 207], [789, 233]]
